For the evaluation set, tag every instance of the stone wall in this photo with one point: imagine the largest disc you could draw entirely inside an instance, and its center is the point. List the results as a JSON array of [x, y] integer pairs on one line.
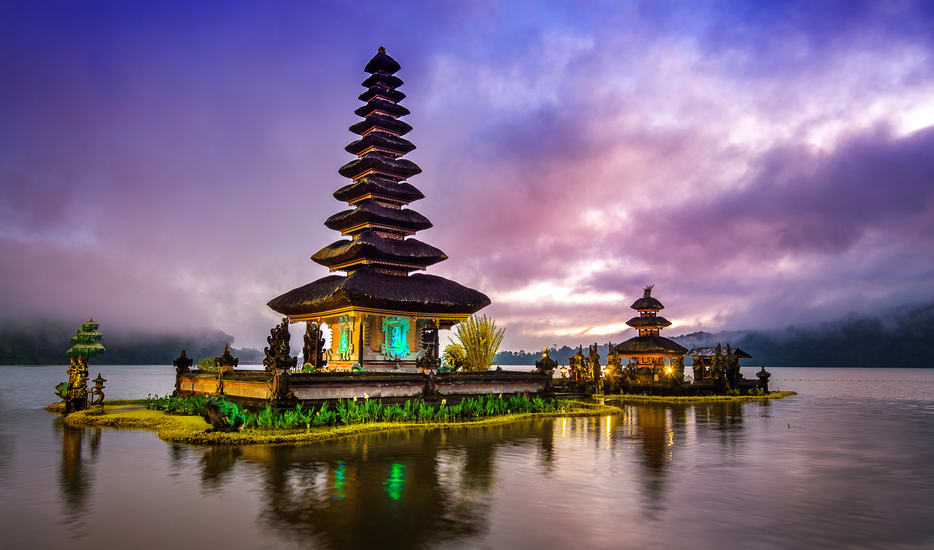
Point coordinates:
[[256, 386]]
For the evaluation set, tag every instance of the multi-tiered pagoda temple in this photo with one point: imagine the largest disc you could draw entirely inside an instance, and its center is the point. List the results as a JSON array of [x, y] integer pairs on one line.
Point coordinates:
[[381, 314], [655, 356]]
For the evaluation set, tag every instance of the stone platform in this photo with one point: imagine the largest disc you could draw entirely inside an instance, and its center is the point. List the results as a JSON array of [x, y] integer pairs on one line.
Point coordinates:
[[260, 387]]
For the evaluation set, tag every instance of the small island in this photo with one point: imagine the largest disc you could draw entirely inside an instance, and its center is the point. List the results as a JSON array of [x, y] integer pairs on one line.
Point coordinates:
[[383, 369]]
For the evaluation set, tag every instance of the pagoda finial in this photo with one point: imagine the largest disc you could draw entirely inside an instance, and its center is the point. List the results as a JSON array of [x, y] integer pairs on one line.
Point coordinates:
[[381, 50], [648, 291]]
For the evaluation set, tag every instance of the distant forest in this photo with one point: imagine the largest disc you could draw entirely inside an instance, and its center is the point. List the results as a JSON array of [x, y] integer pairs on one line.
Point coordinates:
[[901, 339], [45, 342]]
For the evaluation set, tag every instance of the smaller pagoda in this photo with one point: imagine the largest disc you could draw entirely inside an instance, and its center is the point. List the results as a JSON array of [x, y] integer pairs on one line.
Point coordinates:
[[85, 344], [653, 358]]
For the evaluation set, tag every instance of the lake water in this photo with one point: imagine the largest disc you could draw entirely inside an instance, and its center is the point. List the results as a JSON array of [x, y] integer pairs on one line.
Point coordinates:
[[845, 464]]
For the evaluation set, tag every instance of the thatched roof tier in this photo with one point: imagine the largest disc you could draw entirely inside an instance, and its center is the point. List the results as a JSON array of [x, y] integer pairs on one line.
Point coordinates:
[[382, 106], [394, 96], [382, 163], [400, 192], [370, 245], [650, 346], [648, 322], [365, 288], [382, 62], [711, 351], [380, 79], [381, 140], [369, 212], [647, 303], [381, 122]]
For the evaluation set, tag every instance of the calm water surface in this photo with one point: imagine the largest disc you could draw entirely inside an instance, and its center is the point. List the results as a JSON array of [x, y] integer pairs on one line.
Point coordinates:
[[847, 463]]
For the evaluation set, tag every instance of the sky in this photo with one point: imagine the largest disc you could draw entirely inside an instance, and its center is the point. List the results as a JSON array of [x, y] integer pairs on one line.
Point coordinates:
[[169, 165]]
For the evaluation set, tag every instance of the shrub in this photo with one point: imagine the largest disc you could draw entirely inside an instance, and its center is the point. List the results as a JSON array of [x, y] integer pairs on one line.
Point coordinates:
[[207, 364], [453, 357], [185, 406], [352, 411], [480, 339]]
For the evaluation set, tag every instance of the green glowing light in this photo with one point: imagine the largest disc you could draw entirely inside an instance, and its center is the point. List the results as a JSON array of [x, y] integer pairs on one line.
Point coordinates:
[[395, 336], [345, 341], [396, 481], [340, 482]]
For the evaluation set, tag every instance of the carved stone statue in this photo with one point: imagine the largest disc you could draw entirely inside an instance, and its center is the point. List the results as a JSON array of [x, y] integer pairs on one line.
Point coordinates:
[[431, 391], [277, 353], [718, 369], [546, 365], [226, 362], [313, 349], [182, 366], [76, 395], [614, 371], [593, 364], [279, 385], [733, 373], [98, 389], [763, 376], [576, 364], [426, 362]]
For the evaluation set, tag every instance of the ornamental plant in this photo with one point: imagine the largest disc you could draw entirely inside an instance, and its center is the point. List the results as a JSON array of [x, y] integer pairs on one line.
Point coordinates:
[[452, 358], [357, 411], [480, 340]]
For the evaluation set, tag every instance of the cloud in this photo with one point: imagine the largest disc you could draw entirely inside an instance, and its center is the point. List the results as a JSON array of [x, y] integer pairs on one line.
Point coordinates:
[[760, 163]]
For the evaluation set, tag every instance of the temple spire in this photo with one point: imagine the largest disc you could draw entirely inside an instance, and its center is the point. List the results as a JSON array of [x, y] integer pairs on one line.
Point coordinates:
[[378, 222], [382, 314]]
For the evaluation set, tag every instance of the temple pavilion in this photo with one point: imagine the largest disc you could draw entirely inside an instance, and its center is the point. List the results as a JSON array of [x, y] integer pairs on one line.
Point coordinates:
[[654, 357], [382, 313]]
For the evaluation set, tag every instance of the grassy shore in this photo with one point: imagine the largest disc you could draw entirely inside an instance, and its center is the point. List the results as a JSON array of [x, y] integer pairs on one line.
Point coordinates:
[[630, 397], [194, 429]]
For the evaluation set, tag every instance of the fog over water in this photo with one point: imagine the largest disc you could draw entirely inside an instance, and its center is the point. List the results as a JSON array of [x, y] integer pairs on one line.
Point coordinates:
[[846, 463]]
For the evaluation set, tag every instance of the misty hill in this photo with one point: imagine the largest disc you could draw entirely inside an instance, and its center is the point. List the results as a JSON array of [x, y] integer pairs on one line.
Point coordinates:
[[902, 338], [45, 342]]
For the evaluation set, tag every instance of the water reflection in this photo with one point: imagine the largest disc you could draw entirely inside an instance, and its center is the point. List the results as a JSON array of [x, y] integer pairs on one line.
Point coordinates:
[[359, 491], [650, 476], [76, 472], [431, 485], [217, 463]]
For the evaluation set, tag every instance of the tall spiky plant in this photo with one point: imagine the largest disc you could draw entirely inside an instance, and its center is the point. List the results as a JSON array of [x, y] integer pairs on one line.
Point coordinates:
[[480, 339]]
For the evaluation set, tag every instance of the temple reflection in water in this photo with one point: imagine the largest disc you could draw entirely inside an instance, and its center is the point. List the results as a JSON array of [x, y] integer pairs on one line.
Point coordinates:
[[422, 488]]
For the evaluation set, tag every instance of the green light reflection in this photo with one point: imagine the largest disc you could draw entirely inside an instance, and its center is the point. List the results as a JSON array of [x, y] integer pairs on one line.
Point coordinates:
[[396, 481], [340, 483]]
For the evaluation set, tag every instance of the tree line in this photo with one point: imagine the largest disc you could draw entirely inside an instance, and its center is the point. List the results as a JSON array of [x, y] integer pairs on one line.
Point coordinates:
[[45, 342]]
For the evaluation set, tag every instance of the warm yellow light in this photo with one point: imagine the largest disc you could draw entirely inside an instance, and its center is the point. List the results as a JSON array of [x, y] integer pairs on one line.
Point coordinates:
[[668, 370]]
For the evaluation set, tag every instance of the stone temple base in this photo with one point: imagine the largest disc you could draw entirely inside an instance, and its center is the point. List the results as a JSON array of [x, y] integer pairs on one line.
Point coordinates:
[[259, 387]]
